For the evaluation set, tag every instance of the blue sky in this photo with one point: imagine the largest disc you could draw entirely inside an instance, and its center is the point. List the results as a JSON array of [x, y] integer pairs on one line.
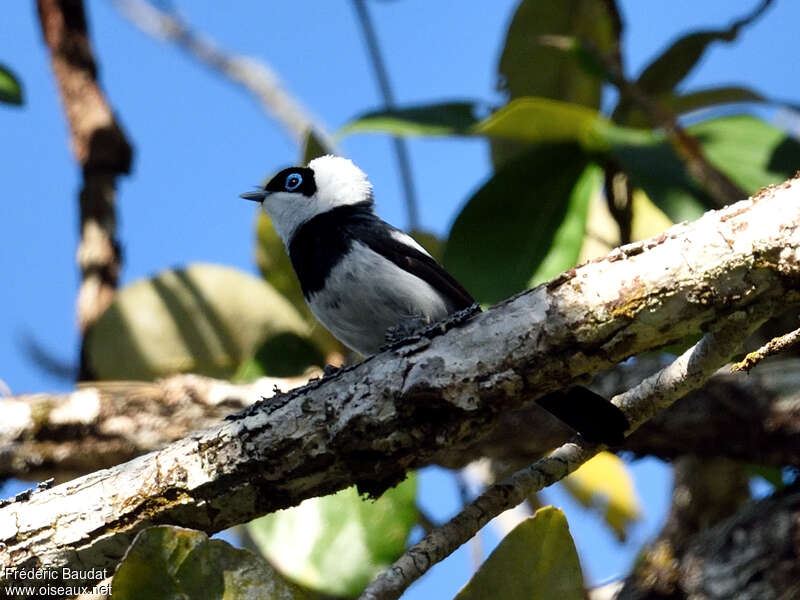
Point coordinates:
[[200, 140]]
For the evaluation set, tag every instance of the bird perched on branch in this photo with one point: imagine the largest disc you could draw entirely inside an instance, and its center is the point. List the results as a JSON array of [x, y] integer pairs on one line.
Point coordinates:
[[362, 277]]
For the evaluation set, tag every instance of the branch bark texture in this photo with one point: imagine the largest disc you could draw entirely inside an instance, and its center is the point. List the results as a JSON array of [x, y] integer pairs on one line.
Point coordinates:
[[442, 389], [99, 146]]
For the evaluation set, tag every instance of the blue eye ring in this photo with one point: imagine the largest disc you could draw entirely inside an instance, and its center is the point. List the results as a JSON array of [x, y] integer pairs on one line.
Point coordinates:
[[293, 181]]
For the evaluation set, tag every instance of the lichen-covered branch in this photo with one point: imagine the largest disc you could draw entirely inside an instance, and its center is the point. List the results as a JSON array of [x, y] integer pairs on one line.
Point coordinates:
[[445, 388], [100, 147], [689, 371], [106, 423]]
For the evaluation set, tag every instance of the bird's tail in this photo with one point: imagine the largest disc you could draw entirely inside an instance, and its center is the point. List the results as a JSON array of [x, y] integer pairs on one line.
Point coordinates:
[[591, 415]]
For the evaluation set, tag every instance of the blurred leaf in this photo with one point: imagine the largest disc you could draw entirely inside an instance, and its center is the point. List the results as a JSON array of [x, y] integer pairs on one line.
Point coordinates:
[[605, 483], [313, 147], [748, 150], [10, 87], [530, 120], [536, 561], [336, 544], [277, 270], [677, 61], [568, 239], [539, 120], [449, 118], [507, 228], [529, 67], [652, 165], [172, 563], [283, 355], [648, 220], [204, 319], [688, 102]]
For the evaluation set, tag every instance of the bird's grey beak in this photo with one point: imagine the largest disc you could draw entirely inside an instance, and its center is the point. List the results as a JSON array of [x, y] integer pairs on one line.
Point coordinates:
[[257, 196]]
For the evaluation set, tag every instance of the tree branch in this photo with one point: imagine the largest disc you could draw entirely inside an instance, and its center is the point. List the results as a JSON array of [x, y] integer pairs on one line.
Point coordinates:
[[445, 388], [687, 372], [106, 423], [100, 147], [254, 76]]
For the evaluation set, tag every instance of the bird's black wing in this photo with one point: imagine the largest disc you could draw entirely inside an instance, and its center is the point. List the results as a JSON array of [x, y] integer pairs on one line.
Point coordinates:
[[378, 236]]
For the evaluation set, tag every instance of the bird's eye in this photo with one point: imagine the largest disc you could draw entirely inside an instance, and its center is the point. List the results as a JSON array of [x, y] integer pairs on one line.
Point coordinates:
[[293, 182]]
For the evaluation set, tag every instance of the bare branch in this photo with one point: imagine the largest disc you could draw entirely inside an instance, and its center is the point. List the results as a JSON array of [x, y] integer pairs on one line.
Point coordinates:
[[446, 388], [100, 147], [687, 372], [254, 76]]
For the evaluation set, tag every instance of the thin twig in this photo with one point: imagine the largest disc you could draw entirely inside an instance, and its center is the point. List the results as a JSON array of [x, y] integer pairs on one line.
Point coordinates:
[[382, 75], [687, 372], [254, 76], [774, 346]]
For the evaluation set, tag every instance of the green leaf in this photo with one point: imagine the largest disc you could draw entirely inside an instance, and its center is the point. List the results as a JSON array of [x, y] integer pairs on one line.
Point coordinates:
[[748, 150], [536, 561], [282, 355], [677, 61], [506, 230], [568, 239], [529, 66], [540, 120], [10, 87], [172, 563], [604, 483], [449, 118], [202, 319], [337, 544]]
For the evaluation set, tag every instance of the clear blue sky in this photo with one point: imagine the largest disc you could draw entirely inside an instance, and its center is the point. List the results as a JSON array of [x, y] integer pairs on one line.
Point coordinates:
[[200, 141]]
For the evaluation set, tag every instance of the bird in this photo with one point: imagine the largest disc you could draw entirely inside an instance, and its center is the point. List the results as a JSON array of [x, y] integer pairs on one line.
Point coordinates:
[[362, 277]]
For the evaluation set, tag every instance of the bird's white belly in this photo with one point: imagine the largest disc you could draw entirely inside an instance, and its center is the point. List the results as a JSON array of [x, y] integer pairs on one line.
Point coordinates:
[[366, 294]]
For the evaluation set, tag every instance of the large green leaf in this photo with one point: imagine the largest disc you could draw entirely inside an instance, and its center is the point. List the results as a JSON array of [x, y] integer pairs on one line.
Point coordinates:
[[530, 67], [536, 561], [10, 87], [748, 150], [202, 319], [172, 563], [677, 61], [506, 230], [568, 239], [447, 118], [337, 544], [528, 120], [544, 121]]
